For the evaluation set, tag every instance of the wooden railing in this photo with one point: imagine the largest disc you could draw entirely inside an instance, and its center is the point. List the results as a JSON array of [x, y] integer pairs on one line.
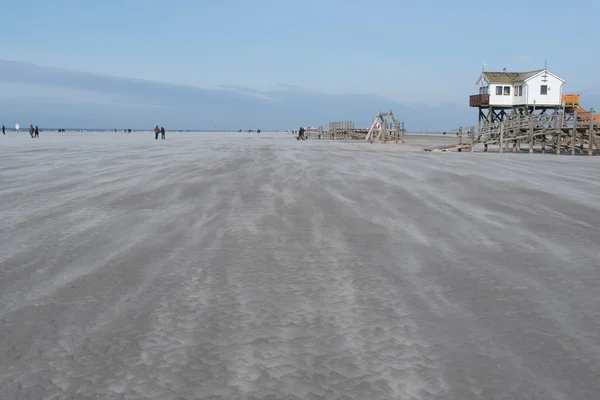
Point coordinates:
[[556, 130], [479, 100]]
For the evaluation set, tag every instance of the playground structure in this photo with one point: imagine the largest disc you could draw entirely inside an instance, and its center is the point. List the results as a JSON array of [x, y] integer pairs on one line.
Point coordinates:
[[384, 128]]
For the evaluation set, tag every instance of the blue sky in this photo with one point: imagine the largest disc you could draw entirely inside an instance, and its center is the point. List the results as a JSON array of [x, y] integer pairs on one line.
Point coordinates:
[[411, 52]]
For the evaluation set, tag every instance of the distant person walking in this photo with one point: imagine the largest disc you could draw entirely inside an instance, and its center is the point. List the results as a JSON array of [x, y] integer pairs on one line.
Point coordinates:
[[162, 133], [31, 130], [156, 131], [3, 130], [301, 134], [37, 132]]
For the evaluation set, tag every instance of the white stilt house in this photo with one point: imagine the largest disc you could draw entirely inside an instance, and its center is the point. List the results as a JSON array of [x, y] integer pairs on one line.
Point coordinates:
[[499, 91]]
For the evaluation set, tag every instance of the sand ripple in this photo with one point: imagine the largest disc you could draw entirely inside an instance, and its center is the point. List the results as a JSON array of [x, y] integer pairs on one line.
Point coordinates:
[[209, 268]]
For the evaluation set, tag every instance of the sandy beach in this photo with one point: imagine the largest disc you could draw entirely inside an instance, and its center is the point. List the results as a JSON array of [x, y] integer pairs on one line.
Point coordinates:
[[245, 266]]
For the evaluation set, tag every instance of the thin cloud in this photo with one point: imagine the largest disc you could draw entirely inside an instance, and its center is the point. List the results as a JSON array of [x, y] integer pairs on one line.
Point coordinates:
[[81, 99]]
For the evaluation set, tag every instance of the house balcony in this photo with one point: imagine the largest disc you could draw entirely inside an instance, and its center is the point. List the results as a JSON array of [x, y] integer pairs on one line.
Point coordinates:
[[479, 100]]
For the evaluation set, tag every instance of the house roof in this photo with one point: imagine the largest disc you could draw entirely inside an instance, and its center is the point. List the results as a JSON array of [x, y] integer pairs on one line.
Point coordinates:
[[509, 77]]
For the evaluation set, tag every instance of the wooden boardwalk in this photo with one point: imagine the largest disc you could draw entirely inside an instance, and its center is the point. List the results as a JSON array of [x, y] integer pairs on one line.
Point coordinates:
[[557, 132]]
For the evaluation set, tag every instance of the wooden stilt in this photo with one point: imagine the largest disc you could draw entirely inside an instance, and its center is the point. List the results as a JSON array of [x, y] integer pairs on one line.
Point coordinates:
[[501, 137], [531, 125], [402, 132], [559, 133], [591, 133], [574, 133], [544, 144]]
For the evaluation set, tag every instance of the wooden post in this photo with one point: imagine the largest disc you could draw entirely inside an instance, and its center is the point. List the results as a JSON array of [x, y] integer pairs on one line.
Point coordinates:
[[501, 137], [559, 133], [544, 144], [473, 138], [460, 135], [531, 124], [574, 132], [487, 126], [402, 132], [591, 135]]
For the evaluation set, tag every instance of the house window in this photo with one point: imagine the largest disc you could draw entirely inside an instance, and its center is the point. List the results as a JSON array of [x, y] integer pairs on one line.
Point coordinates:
[[544, 89], [507, 90], [498, 90], [520, 90], [516, 91]]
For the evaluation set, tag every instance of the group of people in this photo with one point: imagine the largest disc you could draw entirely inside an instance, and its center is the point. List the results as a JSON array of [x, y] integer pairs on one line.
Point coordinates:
[[34, 132], [301, 134], [158, 130]]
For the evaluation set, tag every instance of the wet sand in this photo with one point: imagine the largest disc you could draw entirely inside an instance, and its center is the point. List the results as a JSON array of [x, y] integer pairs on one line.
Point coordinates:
[[239, 266]]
